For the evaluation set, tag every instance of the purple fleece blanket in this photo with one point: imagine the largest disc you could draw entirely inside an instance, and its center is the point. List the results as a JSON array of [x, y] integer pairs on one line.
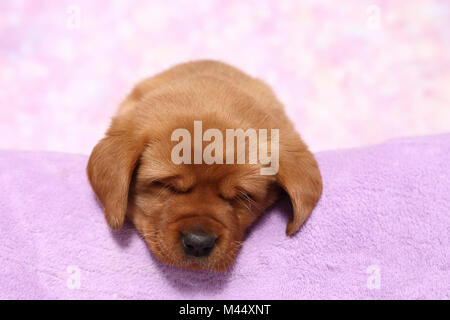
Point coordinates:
[[380, 230]]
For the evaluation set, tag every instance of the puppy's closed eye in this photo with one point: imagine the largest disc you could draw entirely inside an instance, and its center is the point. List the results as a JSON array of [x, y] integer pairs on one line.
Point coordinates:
[[173, 188], [239, 197]]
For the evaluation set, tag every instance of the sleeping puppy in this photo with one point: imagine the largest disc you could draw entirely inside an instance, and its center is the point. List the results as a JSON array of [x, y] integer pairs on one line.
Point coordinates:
[[194, 213]]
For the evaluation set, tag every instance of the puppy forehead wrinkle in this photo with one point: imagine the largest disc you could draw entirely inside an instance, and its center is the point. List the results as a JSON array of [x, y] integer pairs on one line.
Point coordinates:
[[184, 181]]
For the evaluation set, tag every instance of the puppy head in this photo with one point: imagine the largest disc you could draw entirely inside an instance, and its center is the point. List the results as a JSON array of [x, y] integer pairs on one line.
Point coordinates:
[[193, 215]]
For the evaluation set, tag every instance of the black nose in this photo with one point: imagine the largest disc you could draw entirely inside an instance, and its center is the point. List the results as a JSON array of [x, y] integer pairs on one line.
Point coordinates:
[[198, 244]]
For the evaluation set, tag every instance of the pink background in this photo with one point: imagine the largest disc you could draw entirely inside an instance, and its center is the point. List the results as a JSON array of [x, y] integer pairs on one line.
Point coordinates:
[[350, 73]]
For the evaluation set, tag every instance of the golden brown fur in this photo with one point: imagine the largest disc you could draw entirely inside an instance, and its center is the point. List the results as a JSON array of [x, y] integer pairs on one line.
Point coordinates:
[[132, 173]]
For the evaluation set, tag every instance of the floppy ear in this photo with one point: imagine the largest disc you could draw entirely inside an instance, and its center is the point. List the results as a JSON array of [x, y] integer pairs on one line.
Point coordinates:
[[300, 177], [110, 169]]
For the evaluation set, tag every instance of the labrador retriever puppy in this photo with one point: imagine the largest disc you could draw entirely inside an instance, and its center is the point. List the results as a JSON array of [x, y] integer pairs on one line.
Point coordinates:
[[194, 213]]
